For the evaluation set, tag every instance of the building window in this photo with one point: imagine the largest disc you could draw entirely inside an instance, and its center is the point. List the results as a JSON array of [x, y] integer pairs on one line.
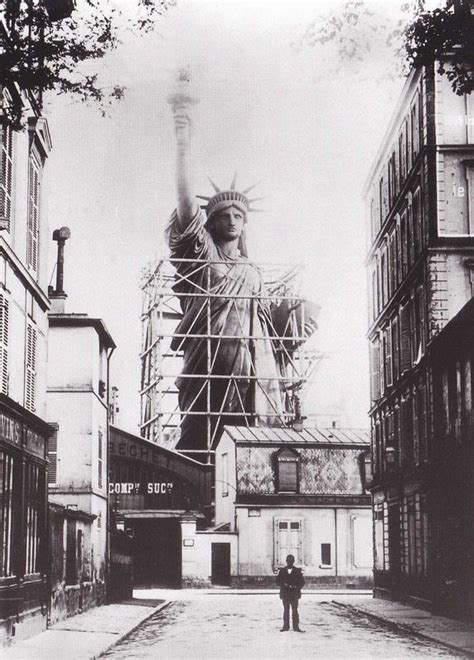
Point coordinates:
[[53, 457], [225, 475], [33, 515], [287, 471], [375, 369], [34, 181], [4, 331], [288, 538], [415, 126], [100, 459], [405, 338], [7, 506], [326, 554], [387, 342], [6, 176], [30, 380], [378, 537]]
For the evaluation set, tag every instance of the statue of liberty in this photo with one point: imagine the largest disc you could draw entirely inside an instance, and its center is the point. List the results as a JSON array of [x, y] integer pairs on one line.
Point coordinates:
[[230, 363]]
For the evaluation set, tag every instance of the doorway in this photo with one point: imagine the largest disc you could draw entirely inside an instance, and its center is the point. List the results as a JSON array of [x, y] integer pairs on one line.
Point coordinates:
[[220, 564], [156, 552]]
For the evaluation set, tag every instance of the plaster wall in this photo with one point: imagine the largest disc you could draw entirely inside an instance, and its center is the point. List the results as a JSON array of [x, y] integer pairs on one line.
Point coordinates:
[[226, 484], [72, 361], [347, 530], [197, 553]]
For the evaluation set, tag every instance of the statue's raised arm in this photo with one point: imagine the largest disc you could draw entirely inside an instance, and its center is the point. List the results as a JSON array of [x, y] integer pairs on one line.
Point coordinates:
[[181, 103]]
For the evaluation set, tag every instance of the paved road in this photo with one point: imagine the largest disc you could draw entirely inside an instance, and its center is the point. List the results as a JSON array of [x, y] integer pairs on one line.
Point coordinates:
[[247, 626]]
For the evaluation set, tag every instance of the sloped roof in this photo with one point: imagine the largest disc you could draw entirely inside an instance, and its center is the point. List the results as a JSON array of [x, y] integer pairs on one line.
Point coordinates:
[[309, 436]]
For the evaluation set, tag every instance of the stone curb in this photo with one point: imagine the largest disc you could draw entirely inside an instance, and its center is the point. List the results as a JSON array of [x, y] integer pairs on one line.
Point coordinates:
[[396, 625], [124, 635]]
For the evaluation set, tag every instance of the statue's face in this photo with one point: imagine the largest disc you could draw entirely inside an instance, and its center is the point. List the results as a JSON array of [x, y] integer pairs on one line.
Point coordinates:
[[228, 224]]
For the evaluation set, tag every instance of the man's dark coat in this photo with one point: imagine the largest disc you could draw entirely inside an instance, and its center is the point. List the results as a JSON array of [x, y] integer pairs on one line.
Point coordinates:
[[290, 583]]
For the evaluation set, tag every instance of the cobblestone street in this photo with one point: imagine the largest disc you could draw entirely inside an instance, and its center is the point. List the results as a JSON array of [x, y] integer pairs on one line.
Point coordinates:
[[247, 626]]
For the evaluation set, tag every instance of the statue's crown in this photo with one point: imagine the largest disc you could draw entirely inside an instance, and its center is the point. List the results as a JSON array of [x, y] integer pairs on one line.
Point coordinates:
[[223, 198]]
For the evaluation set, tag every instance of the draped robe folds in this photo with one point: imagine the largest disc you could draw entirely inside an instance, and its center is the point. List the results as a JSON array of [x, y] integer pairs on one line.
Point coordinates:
[[233, 315]]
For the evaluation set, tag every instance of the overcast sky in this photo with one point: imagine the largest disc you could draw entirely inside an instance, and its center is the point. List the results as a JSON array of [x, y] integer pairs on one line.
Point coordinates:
[[273, 112]]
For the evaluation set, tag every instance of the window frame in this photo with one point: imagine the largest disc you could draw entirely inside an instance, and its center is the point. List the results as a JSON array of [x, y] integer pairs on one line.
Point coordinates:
[[287, 455]]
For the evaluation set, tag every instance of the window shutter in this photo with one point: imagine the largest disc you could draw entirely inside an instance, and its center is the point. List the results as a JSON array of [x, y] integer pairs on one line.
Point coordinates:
[[6, 176], [396, 348], [33, 214], [388, 357], [30, 387], [53, 458], [375, 367], [405, 342]]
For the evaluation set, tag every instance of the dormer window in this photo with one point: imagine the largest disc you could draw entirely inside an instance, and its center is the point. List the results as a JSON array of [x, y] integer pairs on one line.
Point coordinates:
[[287, 471]]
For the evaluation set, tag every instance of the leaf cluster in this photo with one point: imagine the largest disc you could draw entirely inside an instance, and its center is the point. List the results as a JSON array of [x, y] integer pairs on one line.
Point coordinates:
[[37, 54], [445, 36]]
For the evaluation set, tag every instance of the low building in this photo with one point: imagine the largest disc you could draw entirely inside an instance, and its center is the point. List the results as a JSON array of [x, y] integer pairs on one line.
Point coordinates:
[[77, 395], [280, 492]]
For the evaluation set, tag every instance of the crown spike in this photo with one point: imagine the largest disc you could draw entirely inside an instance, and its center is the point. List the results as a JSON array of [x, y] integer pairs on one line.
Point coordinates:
[[232, 185], [251, 187], [204, 197], [258, 211], [256, 199], [214, 185]]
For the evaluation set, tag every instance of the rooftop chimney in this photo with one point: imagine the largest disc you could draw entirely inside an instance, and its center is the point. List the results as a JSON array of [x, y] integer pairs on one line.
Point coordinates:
[[57, 295]]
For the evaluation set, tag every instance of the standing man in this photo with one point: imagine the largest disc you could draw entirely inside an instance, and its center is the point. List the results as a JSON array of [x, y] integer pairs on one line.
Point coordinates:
[[290, 580]]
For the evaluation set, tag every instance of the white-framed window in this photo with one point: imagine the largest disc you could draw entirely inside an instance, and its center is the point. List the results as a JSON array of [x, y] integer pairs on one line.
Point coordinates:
[[7, 141], [34, 184], [361, 538], [30, 375], [225, 475], [326, 556], [287, 471], [288, 540]]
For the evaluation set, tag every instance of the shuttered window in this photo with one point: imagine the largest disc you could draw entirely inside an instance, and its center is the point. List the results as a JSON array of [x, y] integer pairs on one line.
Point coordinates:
[[6, 176], [4, 332], [405, 340], [375, 369], [388, 357], [288, 539], [34, 180], [53, 458], [30, 380], [396, 348]]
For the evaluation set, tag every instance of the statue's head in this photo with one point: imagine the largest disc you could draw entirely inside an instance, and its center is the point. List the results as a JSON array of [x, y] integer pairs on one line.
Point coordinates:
[[227, 213], [227, 222]]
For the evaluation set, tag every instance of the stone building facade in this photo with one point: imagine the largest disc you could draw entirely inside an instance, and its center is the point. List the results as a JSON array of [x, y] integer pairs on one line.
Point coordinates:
[[23, 349], [420, 269]]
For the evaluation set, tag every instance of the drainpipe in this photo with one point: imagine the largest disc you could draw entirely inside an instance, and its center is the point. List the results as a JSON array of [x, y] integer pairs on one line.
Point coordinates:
[[335, 541], [107, 513]]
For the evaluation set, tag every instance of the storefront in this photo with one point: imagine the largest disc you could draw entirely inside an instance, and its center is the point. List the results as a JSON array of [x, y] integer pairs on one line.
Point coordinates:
[[23, 498]]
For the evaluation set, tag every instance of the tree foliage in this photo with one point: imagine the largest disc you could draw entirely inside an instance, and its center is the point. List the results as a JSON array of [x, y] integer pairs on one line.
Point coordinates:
[[38, 54], [411, 36], [445, 36]]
